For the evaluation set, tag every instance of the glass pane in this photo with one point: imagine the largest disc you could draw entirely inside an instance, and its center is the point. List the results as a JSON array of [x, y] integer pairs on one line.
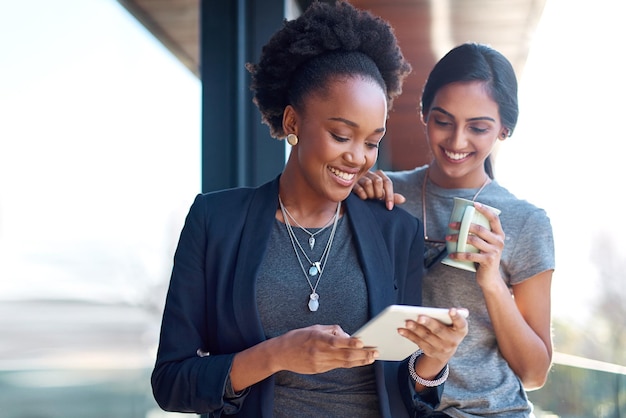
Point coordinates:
[[99, 162]]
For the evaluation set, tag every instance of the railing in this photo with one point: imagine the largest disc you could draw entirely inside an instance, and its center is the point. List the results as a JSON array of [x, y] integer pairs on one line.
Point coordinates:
[[577, 388], [582, 388]]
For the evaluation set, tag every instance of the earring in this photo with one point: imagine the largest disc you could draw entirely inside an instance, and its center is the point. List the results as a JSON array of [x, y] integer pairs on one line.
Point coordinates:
[[292, 139]]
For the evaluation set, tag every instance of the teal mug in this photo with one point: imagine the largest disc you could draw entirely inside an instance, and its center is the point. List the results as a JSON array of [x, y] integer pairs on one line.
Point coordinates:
[[465, 213]]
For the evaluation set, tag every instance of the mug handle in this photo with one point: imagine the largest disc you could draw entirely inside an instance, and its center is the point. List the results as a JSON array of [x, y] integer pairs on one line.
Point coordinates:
[[468, 216]]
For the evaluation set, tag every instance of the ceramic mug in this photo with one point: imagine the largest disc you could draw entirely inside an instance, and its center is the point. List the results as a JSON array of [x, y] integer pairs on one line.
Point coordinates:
[[465, 213]]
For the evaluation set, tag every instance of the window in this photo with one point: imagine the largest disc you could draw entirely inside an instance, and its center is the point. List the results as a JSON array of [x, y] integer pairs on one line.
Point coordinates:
[[99, 162]]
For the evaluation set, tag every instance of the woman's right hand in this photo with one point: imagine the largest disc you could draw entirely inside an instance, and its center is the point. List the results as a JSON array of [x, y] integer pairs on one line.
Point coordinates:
[[320, 348], [376, 185], [310, 350]]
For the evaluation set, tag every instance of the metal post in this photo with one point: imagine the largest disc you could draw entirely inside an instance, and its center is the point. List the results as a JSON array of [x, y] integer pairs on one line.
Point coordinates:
[[236, 148]]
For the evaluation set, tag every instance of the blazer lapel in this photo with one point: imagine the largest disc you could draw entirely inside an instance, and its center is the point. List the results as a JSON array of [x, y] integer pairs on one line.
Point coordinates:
[[254, 239], [373, 254]]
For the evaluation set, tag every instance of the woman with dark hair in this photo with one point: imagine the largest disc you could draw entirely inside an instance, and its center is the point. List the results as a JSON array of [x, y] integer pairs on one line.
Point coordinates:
[[477, 62], [269, 283], [469, 102]]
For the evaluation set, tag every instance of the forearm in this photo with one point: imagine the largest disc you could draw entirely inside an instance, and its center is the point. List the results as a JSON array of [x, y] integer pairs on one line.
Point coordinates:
[[528, 355], [253, 365], [428, 368]]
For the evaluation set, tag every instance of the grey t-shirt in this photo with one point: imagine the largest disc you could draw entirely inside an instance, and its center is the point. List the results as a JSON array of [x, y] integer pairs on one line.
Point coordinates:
[[282, 297], [481, 383]]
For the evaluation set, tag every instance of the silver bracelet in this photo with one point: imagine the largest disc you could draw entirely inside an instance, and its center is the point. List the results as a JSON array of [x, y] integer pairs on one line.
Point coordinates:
[[421, 381]]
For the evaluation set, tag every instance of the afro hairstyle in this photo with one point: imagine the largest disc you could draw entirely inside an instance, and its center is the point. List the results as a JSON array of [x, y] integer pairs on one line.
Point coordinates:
[[324, 41]]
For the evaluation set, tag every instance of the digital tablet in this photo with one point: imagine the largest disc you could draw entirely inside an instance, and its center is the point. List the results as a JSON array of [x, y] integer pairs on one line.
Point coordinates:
[[381, 331]]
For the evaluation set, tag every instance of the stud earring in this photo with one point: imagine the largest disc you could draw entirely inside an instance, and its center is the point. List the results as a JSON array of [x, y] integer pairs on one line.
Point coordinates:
[[292, 139]]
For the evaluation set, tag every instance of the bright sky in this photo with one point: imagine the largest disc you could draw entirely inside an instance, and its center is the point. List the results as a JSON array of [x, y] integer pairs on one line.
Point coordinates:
[[567, 153], [99, 151], [99, 146]]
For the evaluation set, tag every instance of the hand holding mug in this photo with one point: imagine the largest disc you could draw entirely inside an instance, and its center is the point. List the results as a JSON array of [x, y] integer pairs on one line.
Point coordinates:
[[464, 214]]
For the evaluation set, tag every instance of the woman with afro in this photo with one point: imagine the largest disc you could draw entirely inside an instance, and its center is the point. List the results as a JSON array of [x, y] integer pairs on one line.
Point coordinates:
[[269, 283]]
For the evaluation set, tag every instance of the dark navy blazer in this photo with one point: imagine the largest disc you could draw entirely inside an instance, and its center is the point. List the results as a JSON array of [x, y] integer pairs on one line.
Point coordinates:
[[211, 302]]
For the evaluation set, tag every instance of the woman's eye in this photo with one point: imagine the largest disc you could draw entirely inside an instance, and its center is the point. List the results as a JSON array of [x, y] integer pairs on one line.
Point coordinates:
[[478, 130], [372, 145], [440, 122], [339, 138]]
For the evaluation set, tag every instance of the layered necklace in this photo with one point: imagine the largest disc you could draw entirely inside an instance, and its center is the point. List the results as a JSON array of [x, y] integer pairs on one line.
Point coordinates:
[[309, 233], [435, 249], [316, 268]]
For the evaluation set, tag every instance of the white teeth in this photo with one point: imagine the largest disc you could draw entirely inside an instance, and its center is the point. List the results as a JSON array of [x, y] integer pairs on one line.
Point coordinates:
[[456, 155], [341, 174]]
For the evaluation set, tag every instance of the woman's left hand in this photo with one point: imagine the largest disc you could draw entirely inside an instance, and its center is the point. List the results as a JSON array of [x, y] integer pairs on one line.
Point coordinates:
[[436, 339]]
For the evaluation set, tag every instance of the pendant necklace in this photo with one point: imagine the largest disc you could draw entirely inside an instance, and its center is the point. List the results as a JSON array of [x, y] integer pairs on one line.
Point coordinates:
[[311, 234], [487, 181], [316, 267]]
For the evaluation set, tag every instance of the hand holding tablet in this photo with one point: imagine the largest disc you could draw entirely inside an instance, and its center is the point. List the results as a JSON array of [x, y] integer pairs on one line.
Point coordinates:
[[381, 331]]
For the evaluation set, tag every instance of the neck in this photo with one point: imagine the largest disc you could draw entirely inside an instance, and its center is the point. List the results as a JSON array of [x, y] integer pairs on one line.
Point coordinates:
[[309, 208]]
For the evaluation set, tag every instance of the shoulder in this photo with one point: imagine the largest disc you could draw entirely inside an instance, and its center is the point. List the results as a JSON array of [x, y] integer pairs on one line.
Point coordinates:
[[375, 211], [221, 203], [226, 196], [408, 182], [512, 207], [224, 214], [235, 200], [407, 176]]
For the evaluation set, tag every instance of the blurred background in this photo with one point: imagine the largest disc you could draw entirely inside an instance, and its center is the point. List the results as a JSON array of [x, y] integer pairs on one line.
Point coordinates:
[[107, 134]]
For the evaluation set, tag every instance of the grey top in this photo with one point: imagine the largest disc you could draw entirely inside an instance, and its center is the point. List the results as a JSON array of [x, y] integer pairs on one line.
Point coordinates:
[[481, 383], [282, 302]]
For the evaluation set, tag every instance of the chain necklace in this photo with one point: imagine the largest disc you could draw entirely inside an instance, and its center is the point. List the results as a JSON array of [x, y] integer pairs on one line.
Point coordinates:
[[487, 181], [311, 234], [316, 267]]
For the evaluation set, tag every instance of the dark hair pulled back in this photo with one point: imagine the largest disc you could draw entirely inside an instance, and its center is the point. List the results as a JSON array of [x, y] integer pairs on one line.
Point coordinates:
[[477, 62]]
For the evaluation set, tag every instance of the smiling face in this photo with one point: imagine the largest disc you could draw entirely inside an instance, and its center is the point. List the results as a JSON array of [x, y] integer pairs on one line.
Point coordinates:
[[462, 127], [339, 132]]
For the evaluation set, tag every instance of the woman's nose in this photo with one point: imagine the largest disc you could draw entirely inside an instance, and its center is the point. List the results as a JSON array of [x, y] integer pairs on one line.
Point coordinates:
[[356, 155], [458, 139]]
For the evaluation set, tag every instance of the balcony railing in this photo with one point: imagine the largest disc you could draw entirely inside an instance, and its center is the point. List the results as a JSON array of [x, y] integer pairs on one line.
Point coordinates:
[[579, 387], [86, 360], [576, 388]]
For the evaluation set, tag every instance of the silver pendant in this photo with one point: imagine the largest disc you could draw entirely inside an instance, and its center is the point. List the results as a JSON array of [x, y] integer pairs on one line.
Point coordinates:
[[314, 303], [312, 242], [315, 269]]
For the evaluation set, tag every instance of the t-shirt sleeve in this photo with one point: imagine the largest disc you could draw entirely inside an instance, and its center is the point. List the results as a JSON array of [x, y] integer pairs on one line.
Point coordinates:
[[533, 251]]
